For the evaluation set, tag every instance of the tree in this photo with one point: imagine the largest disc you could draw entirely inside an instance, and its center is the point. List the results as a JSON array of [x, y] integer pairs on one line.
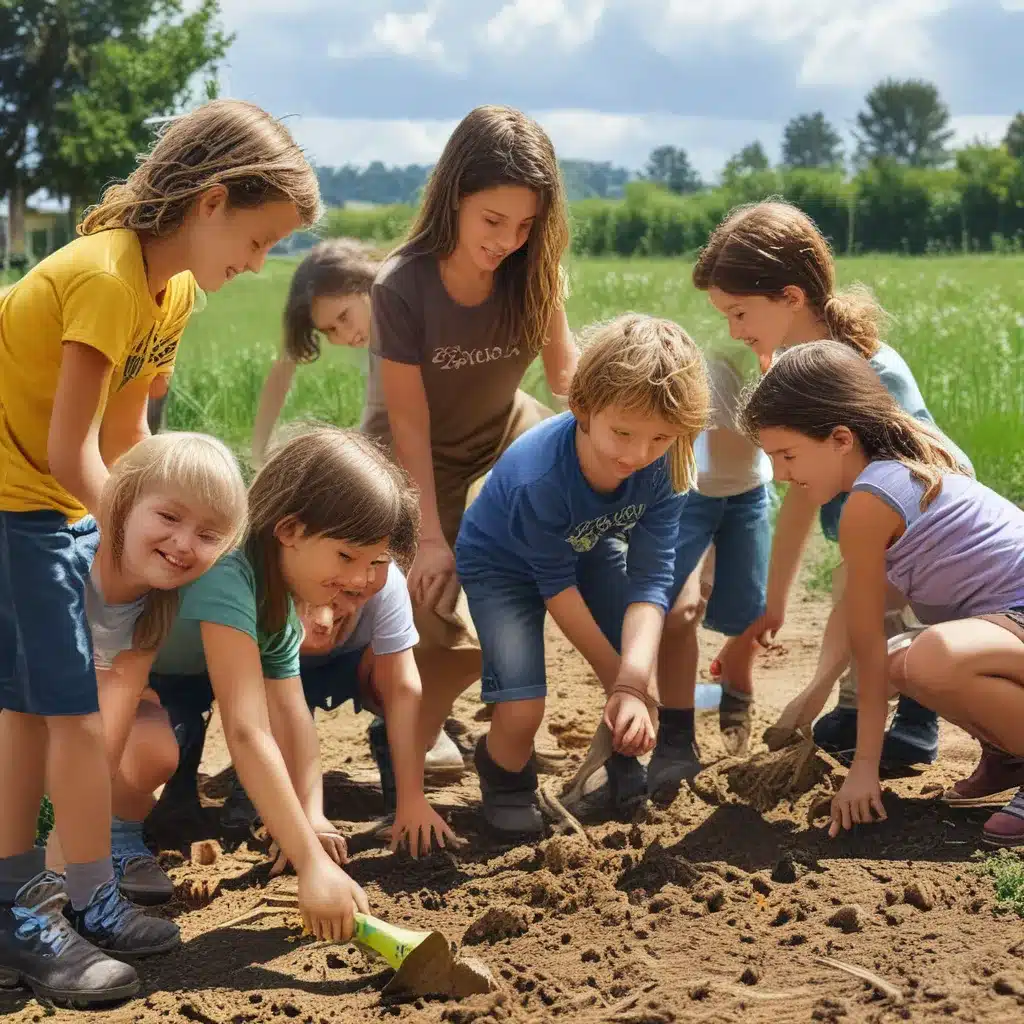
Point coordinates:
[[810, 141], [95, 133], [671, 167], [751, 159], [905, 121], [1014, 140]]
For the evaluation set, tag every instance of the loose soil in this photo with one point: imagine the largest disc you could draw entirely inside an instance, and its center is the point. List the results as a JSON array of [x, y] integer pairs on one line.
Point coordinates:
[[713, 909]]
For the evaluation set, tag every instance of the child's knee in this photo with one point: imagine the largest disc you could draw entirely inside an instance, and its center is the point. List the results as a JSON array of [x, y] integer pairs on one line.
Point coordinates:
[[152, 751], [929, 665], [686, 614], [522, 717]]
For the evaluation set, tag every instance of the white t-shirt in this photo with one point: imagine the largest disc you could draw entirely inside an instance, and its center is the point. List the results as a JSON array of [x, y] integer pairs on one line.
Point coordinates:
[[745, 466], [112, 625]]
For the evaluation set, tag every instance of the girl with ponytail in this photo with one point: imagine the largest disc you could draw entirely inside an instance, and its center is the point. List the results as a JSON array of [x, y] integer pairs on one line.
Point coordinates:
[[769, 270], [919, 527]]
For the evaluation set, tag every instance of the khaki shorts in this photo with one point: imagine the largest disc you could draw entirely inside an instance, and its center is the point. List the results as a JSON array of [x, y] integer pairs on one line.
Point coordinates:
[[450, 628]]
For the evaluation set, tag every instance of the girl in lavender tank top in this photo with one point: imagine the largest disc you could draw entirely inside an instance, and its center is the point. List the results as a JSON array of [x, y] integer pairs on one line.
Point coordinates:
[[915, 523]]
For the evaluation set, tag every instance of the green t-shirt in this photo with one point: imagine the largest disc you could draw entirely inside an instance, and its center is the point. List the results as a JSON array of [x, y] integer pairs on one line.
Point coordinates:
[[226, 594]]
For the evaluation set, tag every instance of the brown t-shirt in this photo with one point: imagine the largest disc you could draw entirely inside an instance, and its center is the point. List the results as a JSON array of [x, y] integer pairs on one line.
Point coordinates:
[[470, 371]]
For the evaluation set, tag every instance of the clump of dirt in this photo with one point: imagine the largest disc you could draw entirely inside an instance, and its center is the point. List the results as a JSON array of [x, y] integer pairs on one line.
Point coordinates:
[[848, 919], [497, 924], [766, 779]]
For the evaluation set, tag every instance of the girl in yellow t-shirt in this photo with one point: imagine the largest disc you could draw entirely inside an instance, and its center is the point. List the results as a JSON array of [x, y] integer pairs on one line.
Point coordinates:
[[83, 337]]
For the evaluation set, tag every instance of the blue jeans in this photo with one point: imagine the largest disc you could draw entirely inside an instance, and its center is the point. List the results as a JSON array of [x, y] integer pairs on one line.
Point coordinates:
[[740, 528], [46, 660], [509, 619]]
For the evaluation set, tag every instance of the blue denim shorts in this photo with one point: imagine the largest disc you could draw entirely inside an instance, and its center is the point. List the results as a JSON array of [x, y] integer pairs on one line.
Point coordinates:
[[509, 619], [46, 665], [741, 530], [325, 684]]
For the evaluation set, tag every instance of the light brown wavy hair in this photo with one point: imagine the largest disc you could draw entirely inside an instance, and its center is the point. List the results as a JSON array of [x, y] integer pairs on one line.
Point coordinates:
[[339, 266], [224, 142], [494, 146], [336, 483], [647, 365], [761, 248], [817, 387], [200, 468]]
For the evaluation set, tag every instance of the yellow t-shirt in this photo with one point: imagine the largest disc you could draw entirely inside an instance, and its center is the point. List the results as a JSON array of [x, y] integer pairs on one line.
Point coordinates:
[[94, 291]]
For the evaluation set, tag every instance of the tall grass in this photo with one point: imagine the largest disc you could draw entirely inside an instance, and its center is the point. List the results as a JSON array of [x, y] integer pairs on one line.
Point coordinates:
[[957, 320]]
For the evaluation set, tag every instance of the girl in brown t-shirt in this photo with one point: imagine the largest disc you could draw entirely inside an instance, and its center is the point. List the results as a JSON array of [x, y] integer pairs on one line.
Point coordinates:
[[458, 312]]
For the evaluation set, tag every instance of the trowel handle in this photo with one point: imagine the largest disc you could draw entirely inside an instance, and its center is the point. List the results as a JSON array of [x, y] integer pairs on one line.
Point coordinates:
[[392, 943]]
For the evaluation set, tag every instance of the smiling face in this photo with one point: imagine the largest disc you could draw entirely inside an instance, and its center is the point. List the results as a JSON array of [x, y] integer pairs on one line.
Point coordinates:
[[169, 541], [320, 570], [223, 241], [615, 443], [762, 323], [342, 319], [494, 223], [822, 468]]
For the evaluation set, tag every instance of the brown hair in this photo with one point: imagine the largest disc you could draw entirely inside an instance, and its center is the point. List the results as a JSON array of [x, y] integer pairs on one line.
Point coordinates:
[[817, 387], [644, 364], [336, 483], [494, 146], [224, 142], [339, 266], [762, 248], [200, 467]]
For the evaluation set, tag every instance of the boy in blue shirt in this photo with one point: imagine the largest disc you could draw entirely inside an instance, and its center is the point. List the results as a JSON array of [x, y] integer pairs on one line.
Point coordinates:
[[579, 518]]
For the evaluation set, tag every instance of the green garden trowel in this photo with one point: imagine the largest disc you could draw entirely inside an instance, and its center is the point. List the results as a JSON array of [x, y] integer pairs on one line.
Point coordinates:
[[422, 961]]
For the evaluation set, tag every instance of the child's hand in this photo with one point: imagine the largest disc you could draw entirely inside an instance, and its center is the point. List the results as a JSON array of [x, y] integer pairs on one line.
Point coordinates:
[[629, 719], [330, 838], [765, 628], [432, 569], [418, 822], [860, 794], [328, 900]]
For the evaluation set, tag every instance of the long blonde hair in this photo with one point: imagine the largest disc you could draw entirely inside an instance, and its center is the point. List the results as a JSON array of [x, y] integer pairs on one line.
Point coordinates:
[[761, 248], [816, 387], [195, 465], [224, 142], [648, 365], [494, 146], [335, 483]]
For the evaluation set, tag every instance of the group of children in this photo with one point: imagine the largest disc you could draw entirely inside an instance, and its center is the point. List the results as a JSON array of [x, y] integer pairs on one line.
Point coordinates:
[[141, 580]]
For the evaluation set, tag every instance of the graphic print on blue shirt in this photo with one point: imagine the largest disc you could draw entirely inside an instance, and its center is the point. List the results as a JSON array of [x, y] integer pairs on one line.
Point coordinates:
[[536, 514]]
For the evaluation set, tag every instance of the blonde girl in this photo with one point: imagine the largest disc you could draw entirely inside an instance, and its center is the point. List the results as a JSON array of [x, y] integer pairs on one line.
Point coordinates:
[[459, 311], [917, 523], [328, 300], [84, 336], [546, 535], [769, 271]]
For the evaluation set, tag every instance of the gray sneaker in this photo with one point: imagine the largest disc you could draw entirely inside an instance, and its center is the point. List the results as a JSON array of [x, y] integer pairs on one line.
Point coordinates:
[[671, 765], [508, 799], [39, 949], [138, 873]]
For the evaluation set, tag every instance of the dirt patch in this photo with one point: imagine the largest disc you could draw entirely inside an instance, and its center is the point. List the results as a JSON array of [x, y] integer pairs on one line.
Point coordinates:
[[726, 905]]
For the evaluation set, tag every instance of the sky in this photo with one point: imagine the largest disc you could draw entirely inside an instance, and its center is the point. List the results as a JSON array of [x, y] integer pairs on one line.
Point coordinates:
[[363, 80]]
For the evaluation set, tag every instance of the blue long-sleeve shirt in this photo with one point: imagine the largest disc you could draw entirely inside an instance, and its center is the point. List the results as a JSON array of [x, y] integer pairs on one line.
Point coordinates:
[[536, 515]]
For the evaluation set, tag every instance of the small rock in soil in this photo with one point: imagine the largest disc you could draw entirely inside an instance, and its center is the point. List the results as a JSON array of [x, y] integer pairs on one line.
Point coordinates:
[[849, 919], [787, 871], [1009, 985], [751, 976], [920, 895], [496, 924], [893, 917], [761, 884], [205, 852]]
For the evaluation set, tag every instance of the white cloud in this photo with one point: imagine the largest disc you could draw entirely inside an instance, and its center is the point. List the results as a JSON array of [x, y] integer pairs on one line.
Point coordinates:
[[572, 22], [989, 128], [623, 139], [843, 42], [402, 35]]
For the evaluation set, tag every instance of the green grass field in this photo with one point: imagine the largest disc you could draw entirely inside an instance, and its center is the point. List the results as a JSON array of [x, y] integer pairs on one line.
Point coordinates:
[[958, 321]]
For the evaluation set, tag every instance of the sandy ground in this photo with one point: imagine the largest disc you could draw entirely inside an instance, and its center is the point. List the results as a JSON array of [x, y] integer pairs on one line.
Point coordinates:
[[707, 910]]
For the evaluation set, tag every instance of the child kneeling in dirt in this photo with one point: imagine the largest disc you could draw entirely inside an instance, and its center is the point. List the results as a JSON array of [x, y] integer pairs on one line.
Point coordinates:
[[545, 534], [918, 523]]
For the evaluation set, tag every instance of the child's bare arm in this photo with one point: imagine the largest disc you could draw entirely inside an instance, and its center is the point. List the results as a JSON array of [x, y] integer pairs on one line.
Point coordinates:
[[294, 731], [559, 355], [272, 399], [125, 420], [120, 690], [575, 620], [73, 448], [792, 529]]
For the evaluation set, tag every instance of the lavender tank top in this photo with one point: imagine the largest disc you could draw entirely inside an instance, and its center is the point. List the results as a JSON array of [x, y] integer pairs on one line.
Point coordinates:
[[962, 556]]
